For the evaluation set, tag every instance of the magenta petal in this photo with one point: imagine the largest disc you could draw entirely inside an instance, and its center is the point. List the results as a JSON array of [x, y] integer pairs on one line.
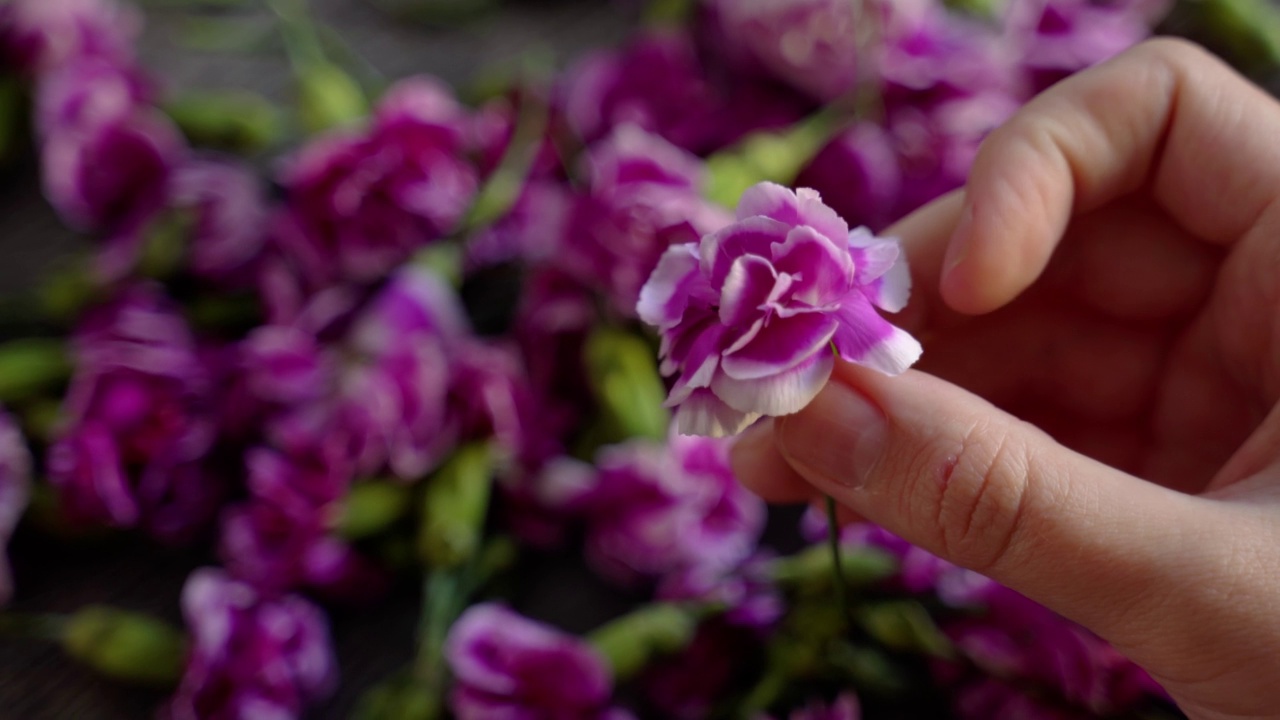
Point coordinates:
[[781, 394], [769, 200], [881, 269], [781, 345], [749, 285], [867, 339], [753, 236], [824, 270], [691, 382], [702, 413], [664, 297], [816, 214]]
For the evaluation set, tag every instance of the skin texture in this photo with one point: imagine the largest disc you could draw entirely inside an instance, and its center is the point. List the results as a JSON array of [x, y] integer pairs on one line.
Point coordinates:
[[1094, 422]]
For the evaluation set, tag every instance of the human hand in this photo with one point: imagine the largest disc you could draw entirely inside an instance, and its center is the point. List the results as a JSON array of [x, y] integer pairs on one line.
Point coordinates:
[[1094, 421]]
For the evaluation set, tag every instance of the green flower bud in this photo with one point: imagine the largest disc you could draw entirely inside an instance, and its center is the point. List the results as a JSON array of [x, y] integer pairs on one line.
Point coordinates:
[[625, 378], [372, 507], [31, 367], [328, 98], [812, 567], [165, 245], [68, 291], [232, 120], [125, 645], [630, 642], [904, 625], [402, 697], [766, 156], [455, 503]]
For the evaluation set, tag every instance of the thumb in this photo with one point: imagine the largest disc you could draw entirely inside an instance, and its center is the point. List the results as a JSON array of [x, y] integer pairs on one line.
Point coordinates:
[[951, 473]]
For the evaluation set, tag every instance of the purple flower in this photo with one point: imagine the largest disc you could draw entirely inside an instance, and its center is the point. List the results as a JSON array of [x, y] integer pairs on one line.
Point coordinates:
[[41, 35], [274, 550], [1055, 38], [505, 665], [276, 370], [15, 487], [139, 422], [395, 395], [359, 203], [555, 315], [250, 656], [747, 593], [944, 86], [657, 509], [643, 197], [88, 93], [919, 571], [690, 684], [658, 83], [810, 44], [748, 314], [1021, 641], [228, 203], [111, 176]]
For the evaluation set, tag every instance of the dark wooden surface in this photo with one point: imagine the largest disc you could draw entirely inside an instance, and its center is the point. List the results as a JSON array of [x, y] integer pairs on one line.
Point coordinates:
[[36, 681]]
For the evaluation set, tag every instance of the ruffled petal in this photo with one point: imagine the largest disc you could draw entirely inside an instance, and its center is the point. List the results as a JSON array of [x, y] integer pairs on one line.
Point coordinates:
[[780, 394], [824, 270], [769, 200], [816, 214], [705, 414], [753, 236], [881, 270], [867, 339], [751, 283], [802, 207], [665, 296], [780, 345]]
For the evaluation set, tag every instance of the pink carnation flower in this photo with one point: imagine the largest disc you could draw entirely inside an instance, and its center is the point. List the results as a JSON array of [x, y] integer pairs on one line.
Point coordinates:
[[748, 314]]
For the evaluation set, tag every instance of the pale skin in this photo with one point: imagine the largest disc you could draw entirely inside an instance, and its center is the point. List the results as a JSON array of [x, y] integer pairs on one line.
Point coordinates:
[[1095, 419]]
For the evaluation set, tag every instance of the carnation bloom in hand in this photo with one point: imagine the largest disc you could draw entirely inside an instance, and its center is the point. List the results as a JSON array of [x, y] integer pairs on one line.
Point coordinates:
[[747, 315]]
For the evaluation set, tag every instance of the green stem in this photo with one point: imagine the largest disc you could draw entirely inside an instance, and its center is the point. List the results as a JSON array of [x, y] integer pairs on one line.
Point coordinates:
[[833, 540], [301, 41]]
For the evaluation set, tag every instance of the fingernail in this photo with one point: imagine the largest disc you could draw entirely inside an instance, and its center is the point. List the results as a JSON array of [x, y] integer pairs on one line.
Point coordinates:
[[958, 248], [837, 440]]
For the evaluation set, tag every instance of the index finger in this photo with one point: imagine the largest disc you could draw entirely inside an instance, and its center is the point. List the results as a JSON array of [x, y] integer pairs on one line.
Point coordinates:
[[1165, 115]]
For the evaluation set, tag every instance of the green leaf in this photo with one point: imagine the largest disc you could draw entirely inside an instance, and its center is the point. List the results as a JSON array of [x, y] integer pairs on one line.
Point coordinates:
[[125, 645], [454, 506]]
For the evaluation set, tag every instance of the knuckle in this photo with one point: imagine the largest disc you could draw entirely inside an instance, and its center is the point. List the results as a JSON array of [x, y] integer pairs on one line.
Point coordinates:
[[1173, 51], [983, 490]]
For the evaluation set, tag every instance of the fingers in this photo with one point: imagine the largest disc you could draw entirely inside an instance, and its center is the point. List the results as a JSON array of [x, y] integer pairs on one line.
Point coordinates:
[[761, 468], [954, 475], [1164, 114]]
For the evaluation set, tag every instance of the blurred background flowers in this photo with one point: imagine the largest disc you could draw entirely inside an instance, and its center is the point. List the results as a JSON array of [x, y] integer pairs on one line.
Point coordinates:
[[325, 394]]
